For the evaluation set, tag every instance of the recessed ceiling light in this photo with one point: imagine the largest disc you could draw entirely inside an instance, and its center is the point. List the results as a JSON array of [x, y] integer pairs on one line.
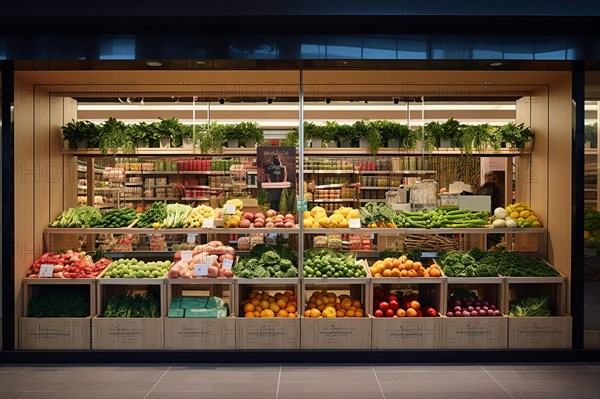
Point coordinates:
[[496, 64], [154, 63]]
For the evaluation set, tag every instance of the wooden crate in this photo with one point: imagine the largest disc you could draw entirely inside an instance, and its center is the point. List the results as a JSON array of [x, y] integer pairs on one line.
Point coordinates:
[[357, 289], [190, 333], [221, 287], [338, 333], [491, 289], [554, 287], [475, 332], [32, 286], [243, 287], [273, 333], [430, 290], [109, 287], [128, 333], [54, 333], [540, 332], [406, 333]]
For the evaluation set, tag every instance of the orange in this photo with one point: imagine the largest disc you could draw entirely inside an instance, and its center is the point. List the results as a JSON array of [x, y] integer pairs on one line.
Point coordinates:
[[315, 313], [401, 313], [409, 264], [258, 308], [273, 306], [278, 296], [249, 314], [311, 306], [420, 272], [373, 270], [282, 313], [271, 299], [319, 302], [263, 313], [418, 264], [387, 273], [306, 313], [281, 303], [264, 304], [346, 303], [401, 267], [256, 313], [378, 275], [292, 315], [248, 308], [285, 299], [359, 313], [350, 313], [410, 312], [356, 303], [415, 305], [290, 309], [395, 273], [403, 273], [340, 313], [255, 301], [380, 268], [388, 263], [288, 293], [396, 263], [352, 308], [265, 296], [403, 259], [293, 298], [434, 272], [312, 299], [412, 273], [425, 273], [321, 307], [269, 313], [253, 294]]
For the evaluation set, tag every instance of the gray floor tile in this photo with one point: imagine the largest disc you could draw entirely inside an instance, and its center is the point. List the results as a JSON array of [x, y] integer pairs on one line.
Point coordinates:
[[547, 375], [538, 367], [212, 395], [439, 376], [131, 386], [222, 374], [231, 386], [550, 385], [448, 386], [556, 394], [330, 395], [391, 368], [37, 386], [333, 386], [11, 395], [446, 395], [588, 375], [85, 395]]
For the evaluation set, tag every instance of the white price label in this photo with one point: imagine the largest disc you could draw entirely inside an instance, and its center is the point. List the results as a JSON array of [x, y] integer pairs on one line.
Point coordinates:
[[186, 256], [46, 270], [227, 263], [229, 209], [191, 238], [208, 223], [354, 223], [201, 270]]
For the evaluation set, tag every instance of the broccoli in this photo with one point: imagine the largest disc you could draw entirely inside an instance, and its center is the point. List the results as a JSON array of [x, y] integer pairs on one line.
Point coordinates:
[[261, 272], [279, 274], [246, 273], [252, 264], [469, 271], [271, 270], [291, 272], [239, 267], [270, 258], [285, 264], [467, 260], [476, 253]]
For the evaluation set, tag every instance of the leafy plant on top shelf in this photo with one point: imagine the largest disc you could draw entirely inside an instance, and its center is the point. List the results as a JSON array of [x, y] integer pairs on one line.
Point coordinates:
[[168, 128], [369, 131], [451, 130], [248, 131], [291, 138], [113, 137], [406, 137], [516, 135], [138, 133], [487, 137], [330, 132], [212, 139], [83, 133], [347, 133], [184, 131]]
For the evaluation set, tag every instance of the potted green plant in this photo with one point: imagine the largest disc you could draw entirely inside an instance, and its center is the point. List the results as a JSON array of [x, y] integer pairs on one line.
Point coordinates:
[[434, 133], [330, 133], [346, 136], [591, 136], [370, 135], [113, 137], [138, 133], [166, 130], [183, 136], [314, 134], [291, 138], [212, 138], [80, 134], [249, 134], [515, 135]]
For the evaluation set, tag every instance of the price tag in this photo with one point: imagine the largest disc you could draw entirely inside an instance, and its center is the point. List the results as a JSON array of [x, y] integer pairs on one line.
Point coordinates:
[[227, 263], [46, 270], [354, 223], [191, 238], [302, 205], [229, 209], [186, 256], [208, 223], [201, 269], [429, 254]]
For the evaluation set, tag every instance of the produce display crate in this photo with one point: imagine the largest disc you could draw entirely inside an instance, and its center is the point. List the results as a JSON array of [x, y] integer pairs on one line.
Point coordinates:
[[200, 333], [266, 333], [56, 332], [554, 287], [342, 332], [491, 289], [409, 332], [128, 333], [475, 332]]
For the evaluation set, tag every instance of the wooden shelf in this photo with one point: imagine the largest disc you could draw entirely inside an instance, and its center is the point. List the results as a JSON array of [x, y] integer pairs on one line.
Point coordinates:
[[217, 230]]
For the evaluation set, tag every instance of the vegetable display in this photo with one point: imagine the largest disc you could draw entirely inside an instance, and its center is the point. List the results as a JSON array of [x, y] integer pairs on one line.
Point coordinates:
[[68, 265], [464, 264], [403, 267], [63, 303], [263, 304], [377, 214], [177, 215], [465, 303], [272, 219], [265, 264], [516, 215], [534, 306], [213, 254], [446, 216], [329, 305], [156, 214], [401, 304], [80, 216], [198, 307], [118, 218], [324, 262], [133, 306], [132, 268]]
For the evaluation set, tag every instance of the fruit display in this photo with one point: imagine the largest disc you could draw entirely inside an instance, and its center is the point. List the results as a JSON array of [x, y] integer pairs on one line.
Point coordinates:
[[591, 225], [403, 267], [133, 306], [400, 304], [118, 218], [516, 215], [266, 262], [324, 262], [445, 216], [213, 253], [80, 216], [534, 306], [377, 215], [317, 217], [329, 305], [70, 264], [198, 307], [132, 268], [198, 214], [273, 219], [477, 263], [464, 303], [177, 215], [263, 304], [153, 216]]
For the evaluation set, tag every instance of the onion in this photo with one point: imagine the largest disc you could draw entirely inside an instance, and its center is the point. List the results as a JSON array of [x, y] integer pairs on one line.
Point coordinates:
[[449, 314]]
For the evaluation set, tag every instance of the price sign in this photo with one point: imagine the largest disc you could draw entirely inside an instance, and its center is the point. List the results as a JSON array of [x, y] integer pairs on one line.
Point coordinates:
[[186, 256], [227, 263], [191, 238], [302, 205], [229, 209], [354, 223], [429, 254], [201, 269], [46, 270], [208, 223]]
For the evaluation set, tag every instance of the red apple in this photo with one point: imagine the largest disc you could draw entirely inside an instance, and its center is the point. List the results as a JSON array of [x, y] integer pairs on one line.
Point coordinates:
[[392, 297], [389, 313], [419, 313], [431, 312], [394, 305], [378, 313], [406, 305], [384, 306]]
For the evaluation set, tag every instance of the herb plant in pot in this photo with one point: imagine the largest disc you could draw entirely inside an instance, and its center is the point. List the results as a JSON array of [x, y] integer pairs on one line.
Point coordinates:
[[346, 136], [139, 134], [369, 134], [516, 136], [167, 129], [330, 133], [113, 137], [212, 138], [183, 136], [313, 133], [249, 134], [80, 134]]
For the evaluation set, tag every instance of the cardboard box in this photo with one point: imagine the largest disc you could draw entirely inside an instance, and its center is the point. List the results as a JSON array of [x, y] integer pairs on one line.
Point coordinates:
[[126, 333]]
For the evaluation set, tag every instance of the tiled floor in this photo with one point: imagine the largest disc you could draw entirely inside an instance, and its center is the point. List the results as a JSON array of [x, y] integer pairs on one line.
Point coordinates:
[[414, 381]]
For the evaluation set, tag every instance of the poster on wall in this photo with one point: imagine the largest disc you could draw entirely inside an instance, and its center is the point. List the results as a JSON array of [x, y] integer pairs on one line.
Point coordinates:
[[276, 175]]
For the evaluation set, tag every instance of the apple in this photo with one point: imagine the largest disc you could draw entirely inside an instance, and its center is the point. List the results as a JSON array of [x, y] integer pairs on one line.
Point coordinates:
[[419, 313], [394, 305], [389, 313], [406, 305], [378, 313], [384, 306], [431, 312], [401, 313], [415, 305], [392, 297]]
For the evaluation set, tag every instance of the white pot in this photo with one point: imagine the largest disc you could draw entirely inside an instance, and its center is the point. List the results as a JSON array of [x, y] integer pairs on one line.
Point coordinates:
[[316, 142], [250, 143], [232, 143], [142, 144], [187, 142], [82, 143], [363, 143], [444, 143], [164, 143], [345, 144], [393, 143], [588, 144], [332, 144]]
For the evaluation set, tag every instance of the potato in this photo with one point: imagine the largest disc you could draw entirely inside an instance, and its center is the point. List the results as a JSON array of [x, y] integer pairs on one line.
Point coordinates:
[[259, 220], [271, 213], [259, 215], [258, 224], [289, 224], [269, 220], [249, 216], [270, 225]]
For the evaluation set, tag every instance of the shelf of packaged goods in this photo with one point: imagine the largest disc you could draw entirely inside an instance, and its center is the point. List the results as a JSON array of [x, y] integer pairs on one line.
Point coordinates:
[[332, 171], [371, 200], [134, 184], [84, 169], [217, 230], [405, 231], [377, 188], [333, 200], [396, 172], [330, 186]]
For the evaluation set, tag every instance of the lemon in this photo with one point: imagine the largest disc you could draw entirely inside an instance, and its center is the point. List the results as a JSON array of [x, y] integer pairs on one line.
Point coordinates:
[[524, 214], [515, 215], [538, 224]]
